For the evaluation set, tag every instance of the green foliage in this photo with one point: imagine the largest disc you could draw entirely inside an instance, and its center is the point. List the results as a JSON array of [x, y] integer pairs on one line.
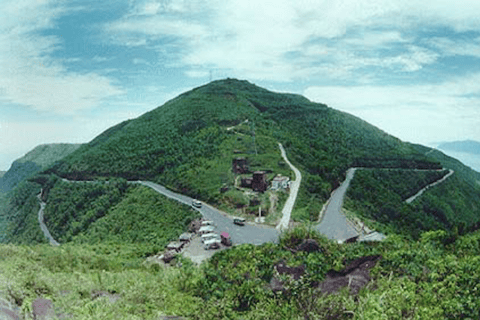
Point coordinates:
[[142, 216], [186, 146], [380, 195], [21, 214], [433, 278]]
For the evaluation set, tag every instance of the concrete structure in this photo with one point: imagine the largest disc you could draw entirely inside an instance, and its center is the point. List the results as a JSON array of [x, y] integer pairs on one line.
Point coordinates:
[[175, 245], [186, 236], [240, 165], [259, 182]]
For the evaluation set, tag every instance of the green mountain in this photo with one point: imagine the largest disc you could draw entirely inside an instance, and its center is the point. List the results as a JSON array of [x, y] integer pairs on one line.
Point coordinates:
[[108, 229], [2, 173], [34, 161], [188, 145]]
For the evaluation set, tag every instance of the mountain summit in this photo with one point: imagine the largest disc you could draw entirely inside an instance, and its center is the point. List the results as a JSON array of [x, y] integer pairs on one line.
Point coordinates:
[[196, 143]]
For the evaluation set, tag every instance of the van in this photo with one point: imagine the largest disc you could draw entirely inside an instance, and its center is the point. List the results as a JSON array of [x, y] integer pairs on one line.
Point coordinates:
[[239, 221]]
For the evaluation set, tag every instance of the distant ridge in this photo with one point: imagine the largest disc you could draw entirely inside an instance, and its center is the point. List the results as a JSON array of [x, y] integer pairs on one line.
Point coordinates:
[[467, 146], [40, 158]]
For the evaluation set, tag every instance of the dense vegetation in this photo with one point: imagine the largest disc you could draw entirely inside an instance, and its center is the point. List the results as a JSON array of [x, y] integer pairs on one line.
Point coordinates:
[[20, 214], [186, 144], [113, 211], [434, 278], [379, 195], [108, 227]]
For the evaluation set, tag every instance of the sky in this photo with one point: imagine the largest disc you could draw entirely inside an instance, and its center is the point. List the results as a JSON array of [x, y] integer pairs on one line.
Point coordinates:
[[71, 69]]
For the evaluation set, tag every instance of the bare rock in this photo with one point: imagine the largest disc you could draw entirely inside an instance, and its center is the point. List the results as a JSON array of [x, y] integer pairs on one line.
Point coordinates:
[[355, 276], [308, 245], [43, 309]]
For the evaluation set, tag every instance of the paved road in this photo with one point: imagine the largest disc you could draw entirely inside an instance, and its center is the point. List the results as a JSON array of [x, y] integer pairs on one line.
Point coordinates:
[[334, 223], [255, 234], [47, 234], [292, 197], [419, 193]]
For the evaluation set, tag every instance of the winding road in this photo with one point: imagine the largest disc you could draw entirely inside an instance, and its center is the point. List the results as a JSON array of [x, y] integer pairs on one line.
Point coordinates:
[[254, 234], [334, 223], [44, 228], [419, 193], [292, 197]]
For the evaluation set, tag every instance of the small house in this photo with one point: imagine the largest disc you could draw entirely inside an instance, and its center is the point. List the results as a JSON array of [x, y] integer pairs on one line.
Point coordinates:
[[280, 182], [225, 237]]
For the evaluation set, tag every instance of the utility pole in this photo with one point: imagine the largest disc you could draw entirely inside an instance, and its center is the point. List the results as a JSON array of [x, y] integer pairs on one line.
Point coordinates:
[[253, 135]]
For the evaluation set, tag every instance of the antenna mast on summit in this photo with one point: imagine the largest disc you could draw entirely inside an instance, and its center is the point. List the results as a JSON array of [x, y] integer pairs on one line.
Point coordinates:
[[210, 76]]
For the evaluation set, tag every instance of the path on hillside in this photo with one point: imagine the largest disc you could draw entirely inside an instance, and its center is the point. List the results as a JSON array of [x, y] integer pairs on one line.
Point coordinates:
[[254, 234], [334, 223], [47, 234], [292, 197], [419, 193]]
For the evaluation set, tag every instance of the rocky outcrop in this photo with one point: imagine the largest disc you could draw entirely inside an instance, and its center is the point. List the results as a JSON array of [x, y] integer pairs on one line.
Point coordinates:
[[355, 276]]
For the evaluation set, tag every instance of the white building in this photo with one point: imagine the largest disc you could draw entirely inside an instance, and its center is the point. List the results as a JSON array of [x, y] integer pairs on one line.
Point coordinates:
[[280, 182]]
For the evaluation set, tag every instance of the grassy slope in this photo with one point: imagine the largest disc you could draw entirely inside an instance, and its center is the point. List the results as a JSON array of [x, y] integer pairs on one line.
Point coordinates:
[[434, 278]]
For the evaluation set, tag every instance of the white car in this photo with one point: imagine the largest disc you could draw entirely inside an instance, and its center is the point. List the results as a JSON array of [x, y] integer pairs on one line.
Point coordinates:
[[207, 223], [209, 236], [196, 204], [206, 229], [212, 244]]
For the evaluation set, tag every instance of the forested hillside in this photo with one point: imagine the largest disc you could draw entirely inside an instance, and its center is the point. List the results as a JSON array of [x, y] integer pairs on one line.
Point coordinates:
[[188, 145]]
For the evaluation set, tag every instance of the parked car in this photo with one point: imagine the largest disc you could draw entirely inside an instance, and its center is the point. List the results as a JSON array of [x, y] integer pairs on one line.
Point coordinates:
[[239, 221], [212, 244], [208, 236], [207, 223], [206, 229]]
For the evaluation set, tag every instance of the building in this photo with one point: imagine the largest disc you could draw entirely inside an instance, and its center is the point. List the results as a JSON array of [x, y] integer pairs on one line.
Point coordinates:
[[280, 182], [240, 165], [175, 246], [259, 182]]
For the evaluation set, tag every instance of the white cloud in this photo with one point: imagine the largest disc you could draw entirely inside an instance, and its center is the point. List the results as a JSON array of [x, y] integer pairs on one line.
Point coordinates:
[[29, 76], [416, 113], [454, 47], [254, 38]]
